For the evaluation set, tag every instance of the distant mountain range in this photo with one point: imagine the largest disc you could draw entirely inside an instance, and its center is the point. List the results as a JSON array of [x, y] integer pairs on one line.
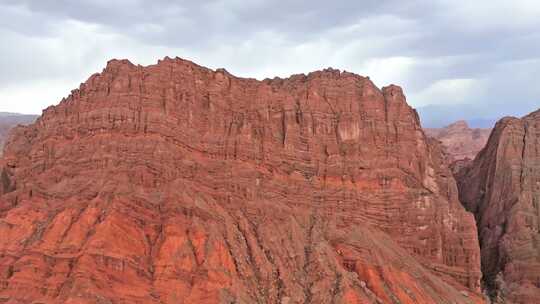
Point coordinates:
[[459, 140], [439, 116], [17, 117], [10, 120]]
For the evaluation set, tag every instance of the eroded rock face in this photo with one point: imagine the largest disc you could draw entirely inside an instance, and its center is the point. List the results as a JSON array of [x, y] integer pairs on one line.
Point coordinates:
[[9, 121], [502, 187], [174, 183], [459, 140]]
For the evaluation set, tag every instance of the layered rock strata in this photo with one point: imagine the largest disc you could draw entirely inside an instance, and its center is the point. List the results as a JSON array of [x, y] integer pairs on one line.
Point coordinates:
[[173, 183]]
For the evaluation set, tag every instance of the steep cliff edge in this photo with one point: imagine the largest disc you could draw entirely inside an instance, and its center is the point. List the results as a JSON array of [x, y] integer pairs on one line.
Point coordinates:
[[173, 183], [502, 187]]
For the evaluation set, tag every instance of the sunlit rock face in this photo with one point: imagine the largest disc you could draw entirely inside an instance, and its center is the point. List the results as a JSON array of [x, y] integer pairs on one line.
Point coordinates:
[[173, 183], [502, 188]]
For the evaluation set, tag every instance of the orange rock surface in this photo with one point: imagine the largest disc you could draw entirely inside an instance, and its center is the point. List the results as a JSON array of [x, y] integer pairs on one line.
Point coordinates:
[[173, 183]]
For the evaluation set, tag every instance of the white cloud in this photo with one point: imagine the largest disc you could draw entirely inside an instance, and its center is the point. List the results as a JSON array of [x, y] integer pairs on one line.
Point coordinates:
[[492, 15], [389, 70], [448, 91], [49, 68], [29, 100], [441, 51]]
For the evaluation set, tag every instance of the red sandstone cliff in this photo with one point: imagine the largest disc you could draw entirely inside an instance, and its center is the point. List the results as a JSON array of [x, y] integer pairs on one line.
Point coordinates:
[[459, 140], [173, 183], [502, 187]]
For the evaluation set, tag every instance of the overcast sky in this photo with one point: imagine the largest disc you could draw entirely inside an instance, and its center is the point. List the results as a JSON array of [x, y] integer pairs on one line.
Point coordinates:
[[479, 56]]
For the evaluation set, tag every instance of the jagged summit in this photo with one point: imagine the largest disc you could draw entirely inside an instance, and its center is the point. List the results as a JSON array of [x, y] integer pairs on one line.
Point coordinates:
[[461, 124], [115, 66], [327, 72]]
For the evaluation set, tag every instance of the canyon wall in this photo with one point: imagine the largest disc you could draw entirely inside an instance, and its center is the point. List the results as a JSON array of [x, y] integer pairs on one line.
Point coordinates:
[[502, 188]]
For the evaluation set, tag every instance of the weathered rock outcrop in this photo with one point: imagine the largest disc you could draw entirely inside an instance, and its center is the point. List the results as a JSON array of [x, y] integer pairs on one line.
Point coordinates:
[[460, 141], [173, 183], [502, 187], [10, 120]]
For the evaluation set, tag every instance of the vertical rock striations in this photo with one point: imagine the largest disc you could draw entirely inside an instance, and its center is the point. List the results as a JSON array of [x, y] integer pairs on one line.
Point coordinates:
[[502, 187], [173, 183]]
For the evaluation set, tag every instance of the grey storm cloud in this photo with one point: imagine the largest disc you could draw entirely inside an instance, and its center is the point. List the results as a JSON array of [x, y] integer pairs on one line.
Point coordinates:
[[479, 56]]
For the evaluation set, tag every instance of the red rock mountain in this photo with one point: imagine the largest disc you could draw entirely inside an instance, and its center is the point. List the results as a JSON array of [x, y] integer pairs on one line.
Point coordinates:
[[173, 183], [459, 140], [10, 120], [502, 187]]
